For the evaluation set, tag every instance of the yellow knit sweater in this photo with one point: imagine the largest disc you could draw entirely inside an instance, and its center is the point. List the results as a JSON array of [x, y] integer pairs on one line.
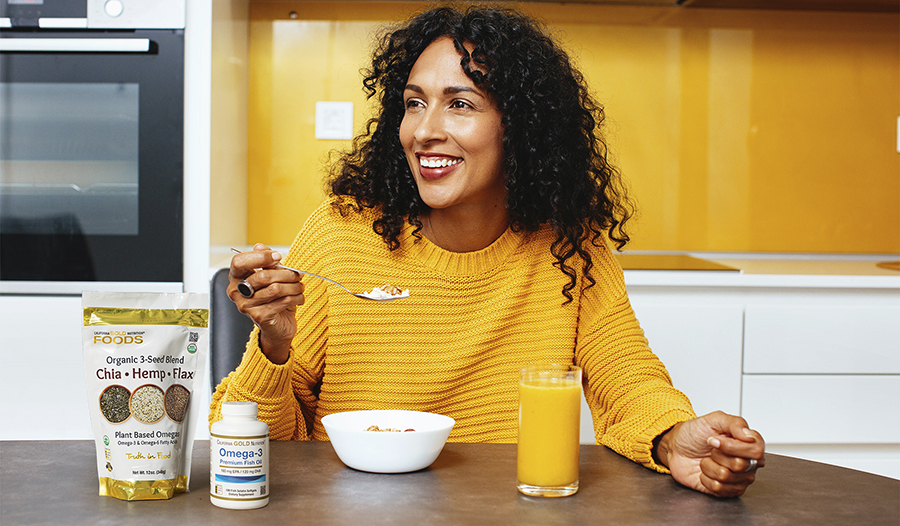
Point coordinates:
[[456, 345]]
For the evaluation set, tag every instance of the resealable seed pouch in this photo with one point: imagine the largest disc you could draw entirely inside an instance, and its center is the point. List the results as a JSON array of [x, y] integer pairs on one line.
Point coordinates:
[[144, 357]]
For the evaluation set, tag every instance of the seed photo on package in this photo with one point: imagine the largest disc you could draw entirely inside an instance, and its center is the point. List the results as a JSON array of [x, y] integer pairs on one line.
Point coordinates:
[[147, 404], [177, 400], [114, 404]]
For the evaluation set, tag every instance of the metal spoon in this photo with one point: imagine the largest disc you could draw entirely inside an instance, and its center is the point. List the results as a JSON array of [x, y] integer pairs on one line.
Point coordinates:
[[247, 291]]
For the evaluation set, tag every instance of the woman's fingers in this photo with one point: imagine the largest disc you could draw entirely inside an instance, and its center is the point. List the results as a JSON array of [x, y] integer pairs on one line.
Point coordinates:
[[244, 264], [732, 462], [725, 488], [270, 284], [262, 292]]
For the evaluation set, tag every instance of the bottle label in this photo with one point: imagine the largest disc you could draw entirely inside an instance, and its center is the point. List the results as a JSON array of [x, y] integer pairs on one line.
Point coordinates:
[[240, 467]]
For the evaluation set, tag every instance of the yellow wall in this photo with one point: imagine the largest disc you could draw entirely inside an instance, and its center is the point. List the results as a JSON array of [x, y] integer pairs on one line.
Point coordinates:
[[737, 130], [228, 137]]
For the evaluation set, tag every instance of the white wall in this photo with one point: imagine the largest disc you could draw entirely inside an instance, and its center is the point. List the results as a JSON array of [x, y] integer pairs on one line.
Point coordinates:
[[197, 66]]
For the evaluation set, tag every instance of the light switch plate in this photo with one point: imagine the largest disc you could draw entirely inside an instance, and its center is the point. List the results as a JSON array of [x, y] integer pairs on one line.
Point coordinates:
[[334, 120]]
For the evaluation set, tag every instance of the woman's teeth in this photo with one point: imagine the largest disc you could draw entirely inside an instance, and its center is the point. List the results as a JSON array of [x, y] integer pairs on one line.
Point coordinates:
[[438, 163]]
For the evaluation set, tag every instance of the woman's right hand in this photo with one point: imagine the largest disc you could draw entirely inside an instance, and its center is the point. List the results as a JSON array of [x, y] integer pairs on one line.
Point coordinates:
[[277, 293]]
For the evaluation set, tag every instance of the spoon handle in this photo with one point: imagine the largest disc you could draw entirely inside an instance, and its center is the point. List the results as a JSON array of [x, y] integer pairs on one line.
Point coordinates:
[[305, 273]]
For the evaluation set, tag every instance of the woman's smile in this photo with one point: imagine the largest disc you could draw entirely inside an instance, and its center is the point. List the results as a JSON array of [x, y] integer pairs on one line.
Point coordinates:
[[433, 167]]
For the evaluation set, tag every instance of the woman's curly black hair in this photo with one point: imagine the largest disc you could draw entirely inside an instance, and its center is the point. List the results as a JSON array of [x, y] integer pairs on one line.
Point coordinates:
[[555, 159]]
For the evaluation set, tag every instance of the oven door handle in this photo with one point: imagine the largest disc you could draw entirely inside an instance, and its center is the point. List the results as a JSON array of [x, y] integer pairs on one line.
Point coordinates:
[[76, 45]]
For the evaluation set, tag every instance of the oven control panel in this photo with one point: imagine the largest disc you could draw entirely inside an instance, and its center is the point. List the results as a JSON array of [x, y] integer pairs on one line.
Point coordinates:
[[92, 14]]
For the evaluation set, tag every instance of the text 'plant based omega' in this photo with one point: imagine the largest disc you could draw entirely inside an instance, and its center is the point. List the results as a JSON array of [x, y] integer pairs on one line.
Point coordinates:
[[239, 458]]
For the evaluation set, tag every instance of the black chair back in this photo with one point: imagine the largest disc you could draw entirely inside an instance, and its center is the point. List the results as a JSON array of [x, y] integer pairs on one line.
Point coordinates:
[[229, 330]]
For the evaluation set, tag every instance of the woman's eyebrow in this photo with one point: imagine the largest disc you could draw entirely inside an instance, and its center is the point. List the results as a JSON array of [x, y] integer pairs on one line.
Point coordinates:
[[449, 90]]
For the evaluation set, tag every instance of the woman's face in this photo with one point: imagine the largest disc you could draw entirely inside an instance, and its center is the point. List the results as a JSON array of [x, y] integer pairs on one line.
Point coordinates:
[[452, 134]]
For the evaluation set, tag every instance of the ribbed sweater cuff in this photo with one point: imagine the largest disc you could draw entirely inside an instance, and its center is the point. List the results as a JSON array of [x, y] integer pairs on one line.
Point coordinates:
[[643, 446], [259, 376]]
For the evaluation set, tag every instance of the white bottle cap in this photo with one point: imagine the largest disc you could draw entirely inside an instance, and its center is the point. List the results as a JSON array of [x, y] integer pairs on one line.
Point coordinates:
[[239, 409]]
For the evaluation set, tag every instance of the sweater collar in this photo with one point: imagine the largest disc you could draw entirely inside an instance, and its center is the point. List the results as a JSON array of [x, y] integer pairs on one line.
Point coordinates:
[[461, 263]]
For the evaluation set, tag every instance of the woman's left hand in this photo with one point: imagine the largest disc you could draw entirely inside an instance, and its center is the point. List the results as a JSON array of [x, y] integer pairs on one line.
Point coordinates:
[[713, 453]]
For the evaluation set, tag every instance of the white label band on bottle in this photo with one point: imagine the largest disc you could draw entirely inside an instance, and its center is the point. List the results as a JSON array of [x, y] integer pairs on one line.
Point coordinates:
[[241, 467]]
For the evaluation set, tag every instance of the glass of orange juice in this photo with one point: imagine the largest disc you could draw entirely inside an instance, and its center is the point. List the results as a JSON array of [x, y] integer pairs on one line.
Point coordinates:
[[549, 419]]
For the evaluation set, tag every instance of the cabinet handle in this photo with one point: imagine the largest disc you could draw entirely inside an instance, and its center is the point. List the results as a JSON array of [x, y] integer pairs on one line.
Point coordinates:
[[76, 45]]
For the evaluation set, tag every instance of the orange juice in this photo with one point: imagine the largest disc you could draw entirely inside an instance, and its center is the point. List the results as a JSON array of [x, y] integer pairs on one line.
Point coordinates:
[[549, 419]]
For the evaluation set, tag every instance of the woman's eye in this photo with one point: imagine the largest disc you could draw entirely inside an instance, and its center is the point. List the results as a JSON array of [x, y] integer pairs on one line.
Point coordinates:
[[412, 103], [460, 105]]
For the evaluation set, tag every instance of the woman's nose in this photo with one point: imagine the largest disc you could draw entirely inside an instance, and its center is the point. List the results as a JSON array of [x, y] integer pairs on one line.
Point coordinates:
[[430, 127]]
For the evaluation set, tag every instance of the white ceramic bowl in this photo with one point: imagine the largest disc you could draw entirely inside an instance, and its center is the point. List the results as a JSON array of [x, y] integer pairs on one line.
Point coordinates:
[[388, 451]]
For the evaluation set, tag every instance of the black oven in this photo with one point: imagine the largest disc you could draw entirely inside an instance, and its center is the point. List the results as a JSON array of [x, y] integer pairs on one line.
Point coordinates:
[[91, 145]]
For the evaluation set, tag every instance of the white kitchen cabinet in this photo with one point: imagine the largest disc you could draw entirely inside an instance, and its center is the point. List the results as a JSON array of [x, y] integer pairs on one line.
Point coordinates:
[[700, 345], [42, 382], [699, 341], [824, 409], [846, 420], [822, 338], [810, 357]]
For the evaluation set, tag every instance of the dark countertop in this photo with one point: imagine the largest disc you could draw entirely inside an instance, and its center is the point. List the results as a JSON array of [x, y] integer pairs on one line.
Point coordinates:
[[55, 482]]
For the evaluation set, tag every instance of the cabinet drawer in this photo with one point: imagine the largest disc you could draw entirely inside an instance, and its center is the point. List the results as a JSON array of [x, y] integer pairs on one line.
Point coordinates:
[[686, 335], [823, 409], [822, 339]]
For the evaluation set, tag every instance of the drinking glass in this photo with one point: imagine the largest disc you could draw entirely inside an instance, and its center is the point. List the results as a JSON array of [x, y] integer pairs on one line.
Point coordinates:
[[549, 420]]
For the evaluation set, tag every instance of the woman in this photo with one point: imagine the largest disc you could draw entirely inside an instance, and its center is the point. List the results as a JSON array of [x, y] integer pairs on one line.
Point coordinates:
[[482, 187]]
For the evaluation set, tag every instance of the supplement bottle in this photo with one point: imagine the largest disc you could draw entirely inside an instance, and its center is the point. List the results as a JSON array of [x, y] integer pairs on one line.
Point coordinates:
[[239, 458]]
